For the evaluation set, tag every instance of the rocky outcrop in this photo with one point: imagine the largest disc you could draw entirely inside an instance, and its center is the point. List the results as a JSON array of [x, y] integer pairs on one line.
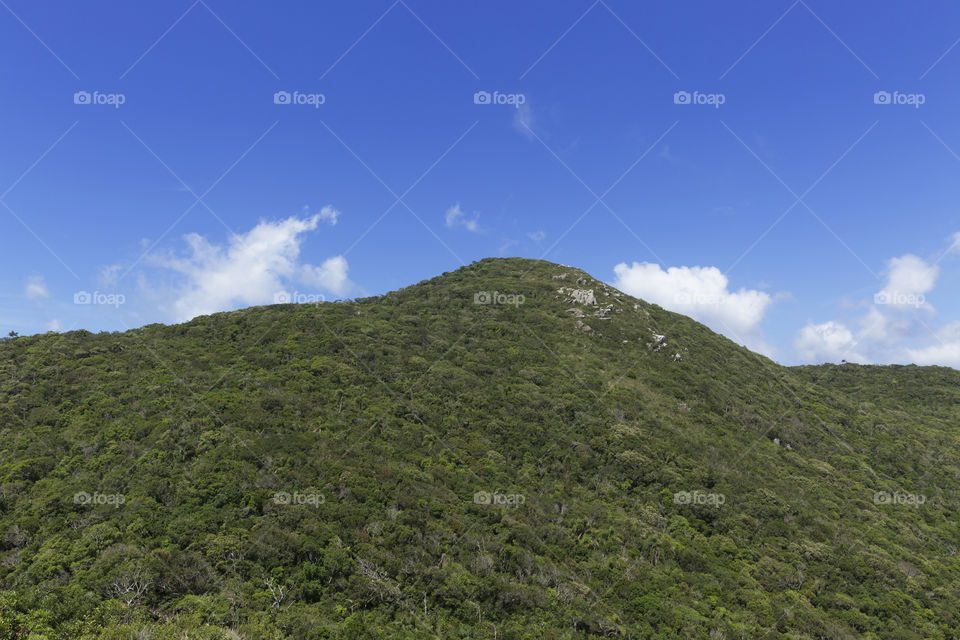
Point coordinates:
[[603, 311], [659, 342], [580, 296]]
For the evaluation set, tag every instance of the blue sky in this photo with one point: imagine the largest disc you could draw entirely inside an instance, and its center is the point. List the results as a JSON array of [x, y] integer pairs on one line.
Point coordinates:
[[784, 171]]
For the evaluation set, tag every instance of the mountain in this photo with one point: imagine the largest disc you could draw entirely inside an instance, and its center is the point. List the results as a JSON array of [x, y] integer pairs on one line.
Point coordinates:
[[511, 450]]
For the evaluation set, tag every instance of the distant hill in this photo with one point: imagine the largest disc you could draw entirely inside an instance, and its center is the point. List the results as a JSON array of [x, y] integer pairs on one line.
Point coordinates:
[[511, 450]]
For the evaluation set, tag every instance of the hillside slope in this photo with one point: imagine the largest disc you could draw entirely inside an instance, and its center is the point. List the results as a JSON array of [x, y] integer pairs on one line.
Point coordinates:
[[495, 452]]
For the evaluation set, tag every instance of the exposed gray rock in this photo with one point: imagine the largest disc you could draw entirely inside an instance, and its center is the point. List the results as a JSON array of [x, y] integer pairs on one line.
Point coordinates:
[[580, 296], [659, 342], [602, 312]]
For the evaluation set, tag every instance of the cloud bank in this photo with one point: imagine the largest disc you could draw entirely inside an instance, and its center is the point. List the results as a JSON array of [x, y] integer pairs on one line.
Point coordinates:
[[897, 326], [251, 268]]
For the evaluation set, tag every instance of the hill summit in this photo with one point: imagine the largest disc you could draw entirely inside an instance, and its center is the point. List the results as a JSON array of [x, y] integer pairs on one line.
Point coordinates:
[[510, 450]]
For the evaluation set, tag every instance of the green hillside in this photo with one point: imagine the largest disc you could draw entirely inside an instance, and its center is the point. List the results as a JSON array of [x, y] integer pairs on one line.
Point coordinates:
[[487, 454]]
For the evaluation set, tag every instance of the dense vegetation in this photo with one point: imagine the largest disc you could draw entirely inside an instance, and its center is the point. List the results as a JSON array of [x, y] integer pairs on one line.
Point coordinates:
[[419, 465]]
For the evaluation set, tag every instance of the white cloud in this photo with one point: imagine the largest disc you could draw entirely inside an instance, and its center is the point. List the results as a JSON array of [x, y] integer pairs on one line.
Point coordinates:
[[879, 326], [896, 326], [537, 236], [700, 292], [329, 215], [331, 275], [252, 268], [909, 279], [455, 217], [109, 274], [954, 243], [946, 350], [454, 214], [54, 325], [36, 287], [827, 342]]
